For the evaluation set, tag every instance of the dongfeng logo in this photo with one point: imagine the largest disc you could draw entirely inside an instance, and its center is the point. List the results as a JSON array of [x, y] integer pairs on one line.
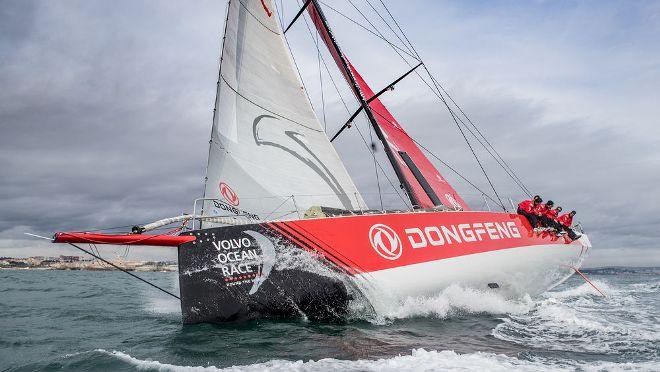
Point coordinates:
[[229, 194], [385, 241]]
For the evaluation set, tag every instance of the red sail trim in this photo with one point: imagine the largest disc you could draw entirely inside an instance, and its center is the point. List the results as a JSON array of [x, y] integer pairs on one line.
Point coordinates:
[[396, 137]]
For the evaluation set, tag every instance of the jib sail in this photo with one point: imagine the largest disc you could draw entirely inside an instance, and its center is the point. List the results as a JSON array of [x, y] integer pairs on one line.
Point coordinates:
[[269, 157]]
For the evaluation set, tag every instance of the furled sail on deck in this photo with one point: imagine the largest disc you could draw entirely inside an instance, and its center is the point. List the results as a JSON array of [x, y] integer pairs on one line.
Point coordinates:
[[269, 156], [418, 175]]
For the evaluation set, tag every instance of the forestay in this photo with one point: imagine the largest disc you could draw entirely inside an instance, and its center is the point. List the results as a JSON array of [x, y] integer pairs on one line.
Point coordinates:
[[269, 156]]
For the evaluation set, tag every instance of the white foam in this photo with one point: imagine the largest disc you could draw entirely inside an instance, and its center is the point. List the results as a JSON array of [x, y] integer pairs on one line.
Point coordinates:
[[162, 305], [417, 360], [580, 319], [156, 302], [453, 300], [582, 290]]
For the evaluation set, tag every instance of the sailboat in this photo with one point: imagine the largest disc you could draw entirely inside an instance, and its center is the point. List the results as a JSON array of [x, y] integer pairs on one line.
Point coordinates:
[[283, 231]]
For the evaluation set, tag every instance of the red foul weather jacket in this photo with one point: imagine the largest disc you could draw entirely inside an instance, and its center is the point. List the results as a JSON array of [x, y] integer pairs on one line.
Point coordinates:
[[552, 214], [565, 219], [527, 206], [540, 209]]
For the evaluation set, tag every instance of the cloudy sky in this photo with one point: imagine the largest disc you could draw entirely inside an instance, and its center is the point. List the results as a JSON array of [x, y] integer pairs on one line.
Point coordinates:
[[105, 108]]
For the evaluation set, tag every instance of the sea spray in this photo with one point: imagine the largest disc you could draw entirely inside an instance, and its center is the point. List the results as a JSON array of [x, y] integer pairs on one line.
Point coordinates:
[[52, 319], [580, 319], [453, 300], [415, 360]]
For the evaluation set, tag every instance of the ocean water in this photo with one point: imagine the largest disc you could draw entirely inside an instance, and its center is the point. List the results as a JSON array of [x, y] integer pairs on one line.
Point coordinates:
[[73, 320]]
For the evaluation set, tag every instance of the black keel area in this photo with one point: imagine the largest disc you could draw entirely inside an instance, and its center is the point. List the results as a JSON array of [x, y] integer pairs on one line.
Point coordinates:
[[239, 273]]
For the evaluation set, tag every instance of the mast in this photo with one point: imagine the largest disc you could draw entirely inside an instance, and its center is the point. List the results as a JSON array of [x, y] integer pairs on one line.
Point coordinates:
[[365, 105]]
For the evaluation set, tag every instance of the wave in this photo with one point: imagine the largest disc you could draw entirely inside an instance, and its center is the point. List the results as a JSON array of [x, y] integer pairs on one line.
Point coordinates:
[[453, 300], [418, 359], [580, 320]]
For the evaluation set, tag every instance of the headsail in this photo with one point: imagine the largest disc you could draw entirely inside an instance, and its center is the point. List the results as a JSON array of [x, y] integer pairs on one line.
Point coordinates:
[[269, 156], [425, 185]]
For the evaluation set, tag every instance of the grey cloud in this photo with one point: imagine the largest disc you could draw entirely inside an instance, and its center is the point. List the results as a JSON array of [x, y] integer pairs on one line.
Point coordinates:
[[105, 113]]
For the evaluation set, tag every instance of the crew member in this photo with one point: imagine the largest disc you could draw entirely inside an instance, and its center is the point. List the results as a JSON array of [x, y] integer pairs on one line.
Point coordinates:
[[565, 222], [550, 219], [526, 209], [541, 209]]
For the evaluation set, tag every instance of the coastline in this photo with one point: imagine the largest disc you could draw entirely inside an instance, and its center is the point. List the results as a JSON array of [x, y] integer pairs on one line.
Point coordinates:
[[79, 263]]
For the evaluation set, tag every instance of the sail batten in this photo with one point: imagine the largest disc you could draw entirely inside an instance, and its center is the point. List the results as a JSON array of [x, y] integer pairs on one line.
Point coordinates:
[[424, 184], [269, 156]]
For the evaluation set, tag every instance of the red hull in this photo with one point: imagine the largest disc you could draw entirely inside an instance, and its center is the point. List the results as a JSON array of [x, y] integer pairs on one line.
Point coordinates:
[[368, 243]]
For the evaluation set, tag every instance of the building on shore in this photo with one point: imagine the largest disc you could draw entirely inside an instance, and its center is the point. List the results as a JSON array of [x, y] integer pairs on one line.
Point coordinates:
[[81, 263]]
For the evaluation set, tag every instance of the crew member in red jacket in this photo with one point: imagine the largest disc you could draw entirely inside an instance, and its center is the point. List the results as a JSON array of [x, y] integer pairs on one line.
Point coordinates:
[[549, 218], [526, 209], [565, 221], [541, 209]]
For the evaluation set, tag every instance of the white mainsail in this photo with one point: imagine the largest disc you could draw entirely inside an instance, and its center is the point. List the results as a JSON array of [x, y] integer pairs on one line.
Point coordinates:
[[269, 156]]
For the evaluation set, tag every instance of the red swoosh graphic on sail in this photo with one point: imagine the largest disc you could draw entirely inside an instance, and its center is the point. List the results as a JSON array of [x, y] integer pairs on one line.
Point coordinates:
[[263, 3]]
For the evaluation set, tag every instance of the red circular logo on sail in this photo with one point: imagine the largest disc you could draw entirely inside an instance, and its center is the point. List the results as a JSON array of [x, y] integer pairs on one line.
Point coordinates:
[[385, 241], [229, 194]]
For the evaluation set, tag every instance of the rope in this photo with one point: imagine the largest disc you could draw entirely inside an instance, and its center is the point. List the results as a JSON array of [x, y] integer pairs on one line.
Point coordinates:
[[587, 280], [125, 271]]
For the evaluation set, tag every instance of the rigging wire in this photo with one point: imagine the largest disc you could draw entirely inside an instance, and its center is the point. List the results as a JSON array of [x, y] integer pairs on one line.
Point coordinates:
[[506, 165], [325, 123], [455, 116], [388, 26], [451, 112], [280, 12], [483, 170], [369, 148], [373, 148], [124, 270], [372, 25], [318, 55], [441, 161], [215, 100], [497, 158], [368, 30]]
